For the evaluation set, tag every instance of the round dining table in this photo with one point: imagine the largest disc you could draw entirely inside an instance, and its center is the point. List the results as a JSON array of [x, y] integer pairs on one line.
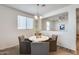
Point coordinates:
[[39, 39]]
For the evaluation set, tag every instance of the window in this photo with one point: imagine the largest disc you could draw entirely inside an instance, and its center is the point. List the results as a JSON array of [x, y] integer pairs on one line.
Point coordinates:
[[48, 25], [21, 22], [25, 22], [29, 23]]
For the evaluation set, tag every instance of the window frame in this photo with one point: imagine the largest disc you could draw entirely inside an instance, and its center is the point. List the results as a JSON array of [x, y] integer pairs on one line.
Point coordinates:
[[25, 26]]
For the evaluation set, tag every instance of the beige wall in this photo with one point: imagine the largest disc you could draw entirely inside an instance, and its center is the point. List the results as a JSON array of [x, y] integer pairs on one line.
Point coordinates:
[[8, 27]]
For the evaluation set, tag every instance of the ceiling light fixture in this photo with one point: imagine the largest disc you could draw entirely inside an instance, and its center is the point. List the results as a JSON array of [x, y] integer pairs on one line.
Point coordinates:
[[37, 16]]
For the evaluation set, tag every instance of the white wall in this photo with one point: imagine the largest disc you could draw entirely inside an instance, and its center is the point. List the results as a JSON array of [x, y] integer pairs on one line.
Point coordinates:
[[62, 33], [67, 38], [8, 27]]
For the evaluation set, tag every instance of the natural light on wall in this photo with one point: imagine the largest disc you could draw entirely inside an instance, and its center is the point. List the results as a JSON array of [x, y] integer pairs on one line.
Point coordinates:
[[25, 22], [48, 25]]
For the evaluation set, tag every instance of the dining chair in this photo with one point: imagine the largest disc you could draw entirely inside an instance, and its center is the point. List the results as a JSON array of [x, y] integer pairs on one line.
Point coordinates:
[[24, 46], [40, 48]]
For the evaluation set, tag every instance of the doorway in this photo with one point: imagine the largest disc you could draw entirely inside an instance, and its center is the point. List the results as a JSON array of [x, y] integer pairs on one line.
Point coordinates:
[[77, 30]]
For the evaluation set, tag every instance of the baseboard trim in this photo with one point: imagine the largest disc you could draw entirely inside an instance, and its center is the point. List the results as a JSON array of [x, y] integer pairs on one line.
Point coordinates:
[[69, 50], [8, 48]]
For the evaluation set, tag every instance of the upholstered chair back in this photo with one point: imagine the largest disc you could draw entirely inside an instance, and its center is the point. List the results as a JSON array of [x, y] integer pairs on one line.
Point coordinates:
[[21, 38]]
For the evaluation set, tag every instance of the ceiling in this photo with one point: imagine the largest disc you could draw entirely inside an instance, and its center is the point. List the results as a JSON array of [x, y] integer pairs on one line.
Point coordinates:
[[32, 8]]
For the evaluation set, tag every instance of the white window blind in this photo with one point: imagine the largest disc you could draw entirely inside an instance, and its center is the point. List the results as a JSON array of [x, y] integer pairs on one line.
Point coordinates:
[[25, 22], [29, 23]]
